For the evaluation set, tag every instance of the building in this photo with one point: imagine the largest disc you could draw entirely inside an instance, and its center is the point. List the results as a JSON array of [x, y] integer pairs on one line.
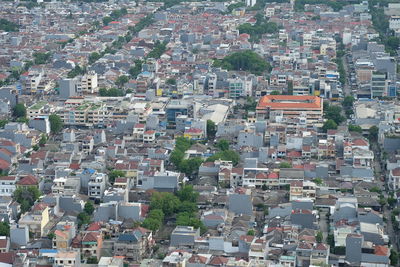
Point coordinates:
[[184, 236], [291, 107], [135, 245], [37, 219], [378, 84], [68, 88], [67, 259], [7, 185]]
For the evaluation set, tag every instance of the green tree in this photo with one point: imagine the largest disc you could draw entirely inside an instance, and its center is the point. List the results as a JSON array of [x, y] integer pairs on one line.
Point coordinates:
[[394, 257], [228, 155], [51, 236], [152, 224], [334, 113], [4, 229], [171, 81], [329, 125], [19, 111], [135, 70], [244, 61], [107, 20], [318, 181], [56, 123], [43, 140], [373, 133], [89, 208], [93, 57], [251, 232], [222, 145], [165, 201], [115, 174], [83, 218], [35, 147], [211, 130], [92, 260], [348, 102], [187, 193], [187, 206], [8, 26], [275, 92], [285, 165], [41, 58], [319, 237], [26, 197], [3, 123], [355, 128], [122, 80]]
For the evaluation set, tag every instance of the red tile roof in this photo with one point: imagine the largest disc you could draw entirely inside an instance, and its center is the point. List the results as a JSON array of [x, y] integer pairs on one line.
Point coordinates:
[[28, 180], [289, 102]]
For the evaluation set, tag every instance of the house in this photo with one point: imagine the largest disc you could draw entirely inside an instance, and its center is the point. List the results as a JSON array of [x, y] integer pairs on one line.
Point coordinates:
[[4, 244], [36, 219], [184, 236], [116, 261], [135, 245], [394, 179], [91, 244], [240, 202], [194, 134], [69, 258], [63, 235], [28, 181], [7, 185], [97, 185], [149, 136]]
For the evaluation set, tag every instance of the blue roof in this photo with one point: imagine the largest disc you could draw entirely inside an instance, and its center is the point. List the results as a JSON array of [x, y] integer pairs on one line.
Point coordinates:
[[48, 250], [127, 238], [88, 171]]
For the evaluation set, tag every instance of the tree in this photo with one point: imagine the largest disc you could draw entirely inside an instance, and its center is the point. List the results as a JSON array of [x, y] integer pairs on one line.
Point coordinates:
[[373, 133], [355, 128], [41, 58], [121, 80], [89, 208], [275, 92], [228, 155], [244, 61], [334, 113], [152, 224], [43, 140], [251, 232], [348, 102], [187, 193], [211, 130], [329, 125], [319, 237], [171, 81], [83, 218], [92, 260], [51, 236], [19, 111], [285, 165], [4, 229], [394, 257], [222, 145], [115, 174], [26, 197], [165, 201], [318, 181], [107, 20], [8, 26], [56, 123]]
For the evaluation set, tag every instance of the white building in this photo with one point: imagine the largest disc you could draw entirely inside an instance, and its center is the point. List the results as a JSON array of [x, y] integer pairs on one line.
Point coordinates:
[[97, 185], [7, 185]]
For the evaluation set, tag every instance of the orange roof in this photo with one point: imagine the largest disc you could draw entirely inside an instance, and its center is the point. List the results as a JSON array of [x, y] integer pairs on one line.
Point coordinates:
[[28, 180], [289, 102]]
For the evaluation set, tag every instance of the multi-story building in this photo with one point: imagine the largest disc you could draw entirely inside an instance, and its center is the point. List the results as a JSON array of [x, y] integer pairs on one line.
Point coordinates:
[[88, 83], [36, 219], [96, 185], [291, 107], [378, 84], [134, 245], [7, 185]]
